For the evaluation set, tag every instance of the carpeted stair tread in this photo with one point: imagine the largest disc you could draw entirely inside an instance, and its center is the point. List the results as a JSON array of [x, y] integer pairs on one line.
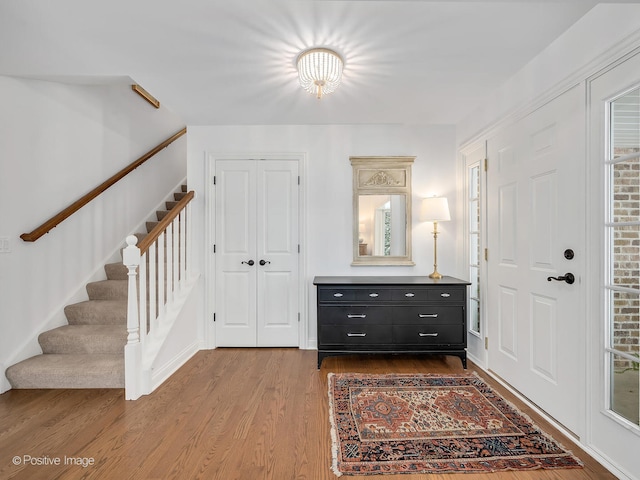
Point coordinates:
[[72, 339], [107, 289], [116, 271], [68, 371], [160, 214], [97, 312], [179, 195], [183, 188]]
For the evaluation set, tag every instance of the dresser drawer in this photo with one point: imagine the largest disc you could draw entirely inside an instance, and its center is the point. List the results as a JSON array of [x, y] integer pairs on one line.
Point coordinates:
[[446, 294], [354, 334], [410, 295], [354, 294], [429, 315], [428, 334], [354, 315]]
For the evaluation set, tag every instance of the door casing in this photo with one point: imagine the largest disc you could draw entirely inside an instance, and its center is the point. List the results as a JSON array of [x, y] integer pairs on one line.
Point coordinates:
[[210, 234]]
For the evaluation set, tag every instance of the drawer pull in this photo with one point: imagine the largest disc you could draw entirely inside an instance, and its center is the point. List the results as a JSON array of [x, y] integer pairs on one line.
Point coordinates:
[[358, 315], [373, 295], [445, 295], [356, 334], [338, 295], [427, 334], [409, 295], [428, 315]]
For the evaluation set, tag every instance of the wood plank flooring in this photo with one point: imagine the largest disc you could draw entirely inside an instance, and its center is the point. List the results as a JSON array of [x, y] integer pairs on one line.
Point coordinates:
[[246, 414]]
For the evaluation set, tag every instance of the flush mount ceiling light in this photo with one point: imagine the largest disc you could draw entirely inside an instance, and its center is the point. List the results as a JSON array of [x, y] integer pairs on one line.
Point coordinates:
[[319, 71]]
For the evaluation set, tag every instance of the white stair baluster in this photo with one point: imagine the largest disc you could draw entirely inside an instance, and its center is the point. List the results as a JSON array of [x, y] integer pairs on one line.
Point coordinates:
[[133, 349]]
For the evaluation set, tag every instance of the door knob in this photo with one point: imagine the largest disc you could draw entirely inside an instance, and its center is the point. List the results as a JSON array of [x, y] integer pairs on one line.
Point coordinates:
[[264, 262], [250, 262], [567, 277]]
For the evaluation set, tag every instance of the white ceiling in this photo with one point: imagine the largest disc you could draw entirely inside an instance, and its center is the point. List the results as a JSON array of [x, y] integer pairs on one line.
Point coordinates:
[[232, 62]]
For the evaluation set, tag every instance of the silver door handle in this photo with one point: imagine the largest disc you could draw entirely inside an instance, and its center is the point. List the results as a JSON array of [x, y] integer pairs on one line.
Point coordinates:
[[445, 295], [428, 315], [409, 294], [374, 295], [428, 334], [338, 295], [354, 315], [356, 334]]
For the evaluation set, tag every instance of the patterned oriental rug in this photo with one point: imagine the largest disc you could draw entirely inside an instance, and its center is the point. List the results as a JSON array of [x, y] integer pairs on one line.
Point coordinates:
[[389, 424]]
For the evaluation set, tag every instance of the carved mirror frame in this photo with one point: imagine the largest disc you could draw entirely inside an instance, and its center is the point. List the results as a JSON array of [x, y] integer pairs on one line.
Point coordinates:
[[381, 176]]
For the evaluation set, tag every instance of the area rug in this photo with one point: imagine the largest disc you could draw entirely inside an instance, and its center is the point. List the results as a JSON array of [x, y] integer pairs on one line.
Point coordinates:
[[389, 424]]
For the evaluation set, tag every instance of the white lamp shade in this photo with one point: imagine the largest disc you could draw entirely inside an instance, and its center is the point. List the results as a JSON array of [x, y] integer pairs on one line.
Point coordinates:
[[435, 209]]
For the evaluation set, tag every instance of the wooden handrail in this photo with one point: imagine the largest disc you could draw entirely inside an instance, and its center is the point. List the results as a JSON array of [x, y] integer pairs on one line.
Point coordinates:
[[78, 204], [162, 225]]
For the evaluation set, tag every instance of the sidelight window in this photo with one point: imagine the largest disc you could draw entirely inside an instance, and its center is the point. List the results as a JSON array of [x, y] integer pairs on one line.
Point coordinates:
[[622, 282], [473, 195]]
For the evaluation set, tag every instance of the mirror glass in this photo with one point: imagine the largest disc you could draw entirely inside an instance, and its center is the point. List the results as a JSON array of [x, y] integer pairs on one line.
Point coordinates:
[[382, 225], [382, 210]]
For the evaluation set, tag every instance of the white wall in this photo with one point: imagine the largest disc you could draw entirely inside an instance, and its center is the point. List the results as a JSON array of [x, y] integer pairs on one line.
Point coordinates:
[[328, 187], [57, 142], [572, 57]]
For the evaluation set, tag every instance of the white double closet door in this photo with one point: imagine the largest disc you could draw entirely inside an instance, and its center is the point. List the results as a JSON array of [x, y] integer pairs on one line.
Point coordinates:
[[257, 253]]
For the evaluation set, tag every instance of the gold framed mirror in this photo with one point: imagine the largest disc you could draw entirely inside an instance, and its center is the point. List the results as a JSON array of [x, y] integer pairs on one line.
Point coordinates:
[[382, 210]]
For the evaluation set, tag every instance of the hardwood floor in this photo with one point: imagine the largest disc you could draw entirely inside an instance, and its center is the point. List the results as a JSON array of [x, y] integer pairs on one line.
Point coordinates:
[[247, 414]]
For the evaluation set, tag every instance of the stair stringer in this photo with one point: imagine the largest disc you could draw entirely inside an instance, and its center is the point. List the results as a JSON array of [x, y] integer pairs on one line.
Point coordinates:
[[175, 340]]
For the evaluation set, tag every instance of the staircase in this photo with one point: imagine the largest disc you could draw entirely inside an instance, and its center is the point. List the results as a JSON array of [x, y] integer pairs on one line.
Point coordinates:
[[89, 352]]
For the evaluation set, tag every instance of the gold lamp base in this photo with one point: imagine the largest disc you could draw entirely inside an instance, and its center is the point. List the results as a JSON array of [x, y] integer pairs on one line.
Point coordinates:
[[436, 275]]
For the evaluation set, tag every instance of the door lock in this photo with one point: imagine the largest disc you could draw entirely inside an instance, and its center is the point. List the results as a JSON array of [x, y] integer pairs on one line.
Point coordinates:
[[264, 262], [567, 277], [250, 262]]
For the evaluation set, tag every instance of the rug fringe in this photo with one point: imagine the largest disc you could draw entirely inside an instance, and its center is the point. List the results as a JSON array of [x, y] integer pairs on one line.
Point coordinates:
[[334, 431]]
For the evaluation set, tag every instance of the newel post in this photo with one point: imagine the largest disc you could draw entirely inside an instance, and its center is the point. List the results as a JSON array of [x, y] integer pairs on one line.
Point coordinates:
[[133, 348]]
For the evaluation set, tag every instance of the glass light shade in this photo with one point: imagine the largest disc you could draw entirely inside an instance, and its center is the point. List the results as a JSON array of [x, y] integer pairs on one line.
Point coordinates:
[[435, 209], [319, 71]]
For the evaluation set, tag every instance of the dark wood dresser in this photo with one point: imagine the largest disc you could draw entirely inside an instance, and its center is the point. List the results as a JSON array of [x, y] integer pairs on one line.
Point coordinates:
[[368, 315]]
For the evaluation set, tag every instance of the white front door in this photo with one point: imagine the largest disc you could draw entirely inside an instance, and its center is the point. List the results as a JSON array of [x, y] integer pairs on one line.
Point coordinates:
[[614, 288], [256, 258], [535, 221]]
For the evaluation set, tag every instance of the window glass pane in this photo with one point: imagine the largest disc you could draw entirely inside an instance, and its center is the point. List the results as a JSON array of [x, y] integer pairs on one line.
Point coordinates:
[[474, 249], [474, 278], [474, 315], [626, 256], [474, 216], [625, 392], [625, 124], [625, 325], [474, 182], [626, 191]]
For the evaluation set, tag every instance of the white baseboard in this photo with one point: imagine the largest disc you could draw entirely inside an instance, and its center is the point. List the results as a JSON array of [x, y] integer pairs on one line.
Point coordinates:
[[158, 377]]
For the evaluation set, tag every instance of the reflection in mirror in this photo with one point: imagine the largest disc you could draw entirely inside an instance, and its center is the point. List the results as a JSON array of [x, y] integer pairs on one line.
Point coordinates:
[[382, 225], [382, 210]]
